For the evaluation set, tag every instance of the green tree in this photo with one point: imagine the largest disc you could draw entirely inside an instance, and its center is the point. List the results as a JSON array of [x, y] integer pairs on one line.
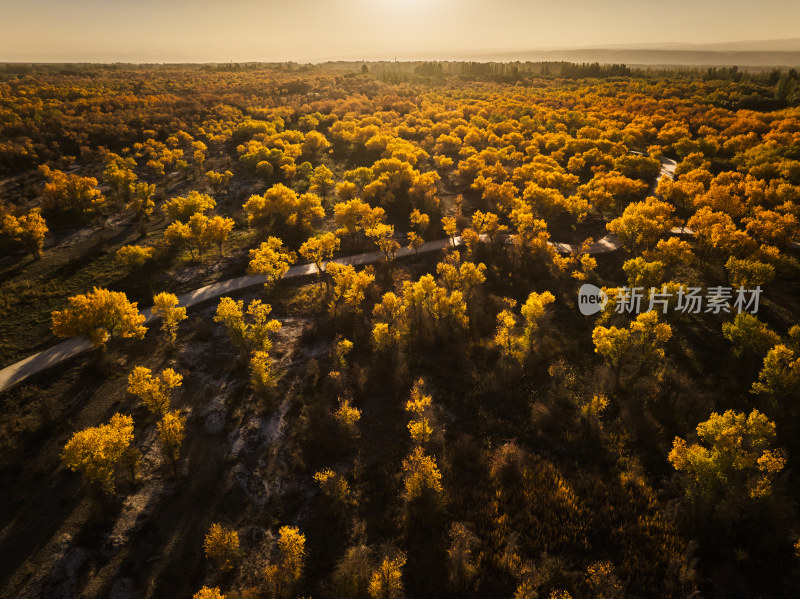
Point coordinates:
[[780, 375], [732, 458], [749, 335]]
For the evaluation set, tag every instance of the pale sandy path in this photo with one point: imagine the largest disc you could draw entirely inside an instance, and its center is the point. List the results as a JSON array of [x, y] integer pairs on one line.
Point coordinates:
[[15, 373]]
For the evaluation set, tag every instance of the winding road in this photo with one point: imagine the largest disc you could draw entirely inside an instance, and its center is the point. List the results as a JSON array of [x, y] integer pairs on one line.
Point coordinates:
[[15, 373]]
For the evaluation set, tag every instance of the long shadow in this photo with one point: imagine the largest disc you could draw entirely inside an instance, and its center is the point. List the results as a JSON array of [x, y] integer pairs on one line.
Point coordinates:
[[34, 506], [165, 556]]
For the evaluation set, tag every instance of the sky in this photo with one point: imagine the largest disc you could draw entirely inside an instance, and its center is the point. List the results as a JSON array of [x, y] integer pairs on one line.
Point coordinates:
[[319, 30]]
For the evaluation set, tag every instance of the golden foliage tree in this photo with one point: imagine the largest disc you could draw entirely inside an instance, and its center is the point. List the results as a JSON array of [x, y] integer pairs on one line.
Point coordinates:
[[320, 249], [780, 374], [642, 224], [249, 331], [208, 593], [386, 581], [349, 286], [99, 451], [271, 260], [134, 256], [282, 577], [29, 230], [165, 305], [154, 391], [99, 316], [171, 432], [642, 342], [182, 208], [421, 474], [70, 194], [281, 205], [221, 546]]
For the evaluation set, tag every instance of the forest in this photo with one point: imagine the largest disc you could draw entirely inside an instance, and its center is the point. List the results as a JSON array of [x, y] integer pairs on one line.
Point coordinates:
[[333, 342]]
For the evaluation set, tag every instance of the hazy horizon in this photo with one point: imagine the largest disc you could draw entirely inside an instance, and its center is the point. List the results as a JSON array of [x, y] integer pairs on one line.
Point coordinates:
[[316, 31]]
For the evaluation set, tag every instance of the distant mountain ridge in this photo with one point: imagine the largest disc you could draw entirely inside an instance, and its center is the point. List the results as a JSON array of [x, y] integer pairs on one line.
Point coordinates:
[[778, 45], [761, 53]]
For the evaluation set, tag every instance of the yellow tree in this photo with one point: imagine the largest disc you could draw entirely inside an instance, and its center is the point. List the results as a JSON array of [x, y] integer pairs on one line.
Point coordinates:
[[512, 346], [271, 260], [182, 208], [488, 224], [249, 331], [199, 233], [98, 452], [218, 181], [419, 404], [70, 194], [99, 316], [154, 391], [354, 215], [419, 223], [386, 581], [208, 593], [389, 326], [29, 230], [382, 236], [321, 181], [119, 176], [461, 276], [221, 546], [141, 200], [749, 273], [347, 416], [217, 231], [320, 249], [642, 342], [165, 305], [334, 486], [179, 234], [421, 474], [262, 377], [349, 286], [642, 224], [171, 432], [532, 312], [717, 234], [134, 256], [427, 302], [283, 206], [749, 335], [282, 577], [450, 228]]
